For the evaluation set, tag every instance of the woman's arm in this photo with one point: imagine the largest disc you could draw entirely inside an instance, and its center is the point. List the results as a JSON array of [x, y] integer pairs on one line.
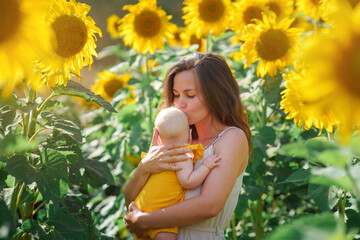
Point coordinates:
[[156, 160], [232, 147]]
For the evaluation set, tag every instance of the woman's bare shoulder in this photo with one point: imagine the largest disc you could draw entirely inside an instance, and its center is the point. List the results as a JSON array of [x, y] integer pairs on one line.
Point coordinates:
[[234, 137]]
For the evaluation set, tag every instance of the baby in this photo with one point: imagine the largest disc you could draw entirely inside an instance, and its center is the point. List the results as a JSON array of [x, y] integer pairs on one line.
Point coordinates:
[[168, 187]]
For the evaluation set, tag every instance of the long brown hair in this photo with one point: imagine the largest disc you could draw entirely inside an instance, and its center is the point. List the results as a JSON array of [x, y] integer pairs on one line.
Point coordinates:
[[220, 91]]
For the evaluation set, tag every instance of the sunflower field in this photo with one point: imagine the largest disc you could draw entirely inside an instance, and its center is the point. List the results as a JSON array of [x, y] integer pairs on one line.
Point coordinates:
[[67, 151]]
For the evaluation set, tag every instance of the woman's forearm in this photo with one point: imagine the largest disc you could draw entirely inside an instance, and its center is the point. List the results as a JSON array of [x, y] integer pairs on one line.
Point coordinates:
[[135, 184]]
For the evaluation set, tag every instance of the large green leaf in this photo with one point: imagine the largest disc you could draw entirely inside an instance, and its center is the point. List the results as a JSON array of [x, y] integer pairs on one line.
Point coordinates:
[[7, 116], [319, 194], [300, 177], [53, 164], [97, 173], [7, 226], [65, 225], [65, 126], [15, 144], [75, 89], [329, 176], [314, 227], [19, 167]]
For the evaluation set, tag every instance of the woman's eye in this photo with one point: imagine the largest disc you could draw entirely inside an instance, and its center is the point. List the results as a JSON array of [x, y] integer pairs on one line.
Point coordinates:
[[176, 96], [191, 96]]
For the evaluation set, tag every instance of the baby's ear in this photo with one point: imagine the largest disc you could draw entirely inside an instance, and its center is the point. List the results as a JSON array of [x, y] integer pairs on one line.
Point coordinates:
[[190, 154]]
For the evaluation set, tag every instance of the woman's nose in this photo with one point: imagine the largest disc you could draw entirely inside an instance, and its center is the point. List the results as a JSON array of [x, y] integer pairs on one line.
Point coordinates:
[[180, 104]]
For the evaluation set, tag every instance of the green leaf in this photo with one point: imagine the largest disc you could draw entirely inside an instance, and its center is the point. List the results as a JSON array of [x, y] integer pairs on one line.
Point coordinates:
[[267, 135], [27, 196], [65, 225], [329, 176], [65, 126], [75, 89], [314, 227], [320, 195], [19, 167], [53, 164], [7, 226], [97, 173], [300, 177], [15, 144], [30, 226], [7, 116]]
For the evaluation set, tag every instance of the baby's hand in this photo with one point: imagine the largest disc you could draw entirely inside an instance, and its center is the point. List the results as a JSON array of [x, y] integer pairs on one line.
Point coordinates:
[[211, 161]]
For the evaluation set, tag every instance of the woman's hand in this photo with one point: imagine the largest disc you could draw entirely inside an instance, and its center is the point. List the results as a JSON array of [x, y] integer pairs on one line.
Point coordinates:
[[132, 220], [159, 157]]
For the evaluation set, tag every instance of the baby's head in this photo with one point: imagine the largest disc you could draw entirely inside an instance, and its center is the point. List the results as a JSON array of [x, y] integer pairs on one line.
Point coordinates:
[[172, 125]]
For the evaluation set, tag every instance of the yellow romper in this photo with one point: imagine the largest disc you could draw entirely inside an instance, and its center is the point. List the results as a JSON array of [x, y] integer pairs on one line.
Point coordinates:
[[163, 190]]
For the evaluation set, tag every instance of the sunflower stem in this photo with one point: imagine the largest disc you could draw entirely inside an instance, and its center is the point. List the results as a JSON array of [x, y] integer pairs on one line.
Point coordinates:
[[148, 81], [209, 43], [233, 226], [32, 114], [43, 104]]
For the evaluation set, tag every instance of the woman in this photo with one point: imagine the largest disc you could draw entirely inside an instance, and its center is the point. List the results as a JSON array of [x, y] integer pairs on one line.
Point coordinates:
[[203, 87]]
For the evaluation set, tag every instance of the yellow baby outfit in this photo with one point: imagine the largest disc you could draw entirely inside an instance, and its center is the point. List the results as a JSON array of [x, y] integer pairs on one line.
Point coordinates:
[[163, 190]]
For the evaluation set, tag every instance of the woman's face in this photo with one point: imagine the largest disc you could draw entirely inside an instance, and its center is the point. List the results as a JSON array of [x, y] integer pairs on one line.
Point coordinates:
[[188, 97]]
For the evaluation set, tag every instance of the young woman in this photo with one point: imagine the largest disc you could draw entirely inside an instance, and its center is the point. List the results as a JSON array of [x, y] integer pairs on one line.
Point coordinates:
[[203, 87]]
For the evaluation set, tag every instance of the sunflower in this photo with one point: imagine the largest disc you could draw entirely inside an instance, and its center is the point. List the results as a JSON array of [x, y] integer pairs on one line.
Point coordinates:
[[74, 43], [334, 59], [246, 11], [146, 26], [113, 23], [280, 7], [19, 46], [109, 83], [205, 16], [272, 42], [297, 107], [330, 8], [310, 8], [175, 40], [189, 38]]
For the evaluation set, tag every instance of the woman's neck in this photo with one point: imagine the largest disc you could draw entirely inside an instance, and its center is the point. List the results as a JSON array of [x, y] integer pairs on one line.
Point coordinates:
[[208, 130]]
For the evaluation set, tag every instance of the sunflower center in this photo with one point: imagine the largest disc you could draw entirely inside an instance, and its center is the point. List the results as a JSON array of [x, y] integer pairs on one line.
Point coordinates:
[[147, 24], [211, 10], [354, 2], [251, 13], [9, 18], [195, 40], [272, 44], [71, 35], [348, 67], [275, 8], [112, 86], [315, 2]]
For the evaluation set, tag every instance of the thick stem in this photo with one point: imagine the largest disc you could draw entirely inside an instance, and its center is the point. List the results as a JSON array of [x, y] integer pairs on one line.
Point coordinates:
[[233, 226], [209, 43], [14, 195], [149, 97], [33, 114]]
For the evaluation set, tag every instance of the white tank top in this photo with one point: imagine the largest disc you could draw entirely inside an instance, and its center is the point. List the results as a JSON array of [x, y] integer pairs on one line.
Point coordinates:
[[212, 228]]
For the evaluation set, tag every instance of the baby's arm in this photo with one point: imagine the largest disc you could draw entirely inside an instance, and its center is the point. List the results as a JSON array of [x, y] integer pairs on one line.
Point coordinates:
[[190, 178]]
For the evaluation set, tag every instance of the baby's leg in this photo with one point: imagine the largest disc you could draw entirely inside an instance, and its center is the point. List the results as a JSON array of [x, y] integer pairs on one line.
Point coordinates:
[[165, 236]]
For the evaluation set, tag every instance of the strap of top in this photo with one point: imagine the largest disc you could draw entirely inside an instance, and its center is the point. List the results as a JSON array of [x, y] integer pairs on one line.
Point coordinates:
[[220, 134]]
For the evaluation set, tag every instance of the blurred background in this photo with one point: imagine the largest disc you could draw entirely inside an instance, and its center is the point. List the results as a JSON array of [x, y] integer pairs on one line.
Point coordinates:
[[100, 11]]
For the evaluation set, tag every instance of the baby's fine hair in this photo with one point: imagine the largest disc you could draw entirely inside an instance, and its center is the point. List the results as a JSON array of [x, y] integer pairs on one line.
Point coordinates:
[[172, 123]]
